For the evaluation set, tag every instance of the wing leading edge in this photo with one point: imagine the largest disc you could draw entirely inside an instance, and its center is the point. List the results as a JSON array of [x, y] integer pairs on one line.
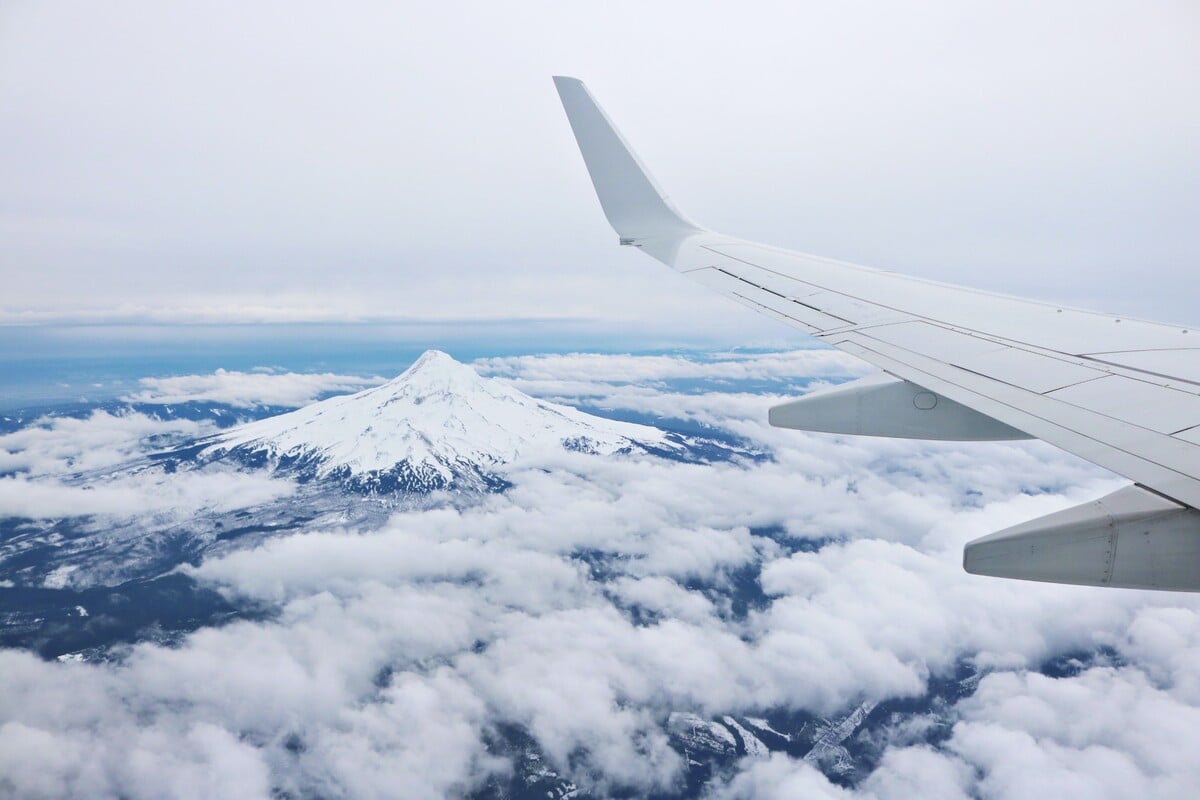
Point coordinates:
[[962, 364]]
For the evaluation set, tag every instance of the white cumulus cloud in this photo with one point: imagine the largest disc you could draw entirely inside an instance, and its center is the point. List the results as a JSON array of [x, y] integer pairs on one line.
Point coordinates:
[[248, 389]]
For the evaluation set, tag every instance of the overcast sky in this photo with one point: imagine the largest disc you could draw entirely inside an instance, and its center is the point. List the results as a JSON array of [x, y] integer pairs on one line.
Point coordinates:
[[295, 161]]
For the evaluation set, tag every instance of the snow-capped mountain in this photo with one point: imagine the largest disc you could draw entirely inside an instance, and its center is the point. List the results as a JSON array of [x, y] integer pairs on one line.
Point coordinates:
[[439, 423]]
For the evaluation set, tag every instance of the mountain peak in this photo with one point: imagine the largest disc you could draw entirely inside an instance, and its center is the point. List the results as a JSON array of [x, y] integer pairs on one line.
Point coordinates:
[[437, 420], [432, 360], [435, 372]]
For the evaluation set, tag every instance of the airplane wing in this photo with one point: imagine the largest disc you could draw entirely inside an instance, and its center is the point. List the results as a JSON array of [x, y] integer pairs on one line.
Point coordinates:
[[966, 365]]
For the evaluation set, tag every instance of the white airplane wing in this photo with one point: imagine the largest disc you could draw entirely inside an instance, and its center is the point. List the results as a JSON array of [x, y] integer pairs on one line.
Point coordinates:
[[967, 365]]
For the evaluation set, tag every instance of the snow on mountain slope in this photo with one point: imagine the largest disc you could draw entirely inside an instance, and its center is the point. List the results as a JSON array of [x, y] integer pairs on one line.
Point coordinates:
[[437, 422]]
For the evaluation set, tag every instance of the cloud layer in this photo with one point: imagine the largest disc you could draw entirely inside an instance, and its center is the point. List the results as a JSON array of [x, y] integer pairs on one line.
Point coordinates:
[[248, 389], [591, 600]]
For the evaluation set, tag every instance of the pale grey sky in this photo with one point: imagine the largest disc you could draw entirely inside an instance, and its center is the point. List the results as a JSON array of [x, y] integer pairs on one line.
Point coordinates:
[[298, 161]]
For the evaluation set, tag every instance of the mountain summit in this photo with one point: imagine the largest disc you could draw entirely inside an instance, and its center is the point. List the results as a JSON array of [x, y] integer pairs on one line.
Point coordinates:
[[439, 423]]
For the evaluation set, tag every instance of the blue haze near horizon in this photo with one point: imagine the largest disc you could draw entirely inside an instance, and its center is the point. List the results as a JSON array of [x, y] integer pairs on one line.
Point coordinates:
[[53, 365]]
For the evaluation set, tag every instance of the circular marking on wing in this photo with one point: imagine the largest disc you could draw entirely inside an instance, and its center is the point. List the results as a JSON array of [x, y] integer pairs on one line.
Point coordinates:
[[925, 400]]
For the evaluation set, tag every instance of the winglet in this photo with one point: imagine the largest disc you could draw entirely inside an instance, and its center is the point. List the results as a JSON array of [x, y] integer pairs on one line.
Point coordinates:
[[634, 204]]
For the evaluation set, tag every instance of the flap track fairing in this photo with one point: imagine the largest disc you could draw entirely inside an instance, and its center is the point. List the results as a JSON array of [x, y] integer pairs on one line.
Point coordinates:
[[1132, 539], [880, 405]]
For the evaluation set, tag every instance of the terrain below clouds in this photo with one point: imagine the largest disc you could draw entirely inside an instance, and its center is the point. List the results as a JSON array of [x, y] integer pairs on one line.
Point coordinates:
[[747, 612]]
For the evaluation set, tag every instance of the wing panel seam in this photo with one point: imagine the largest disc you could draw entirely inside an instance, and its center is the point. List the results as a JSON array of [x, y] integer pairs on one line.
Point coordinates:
[[783, 296], [1142, 371], [913, 316]]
